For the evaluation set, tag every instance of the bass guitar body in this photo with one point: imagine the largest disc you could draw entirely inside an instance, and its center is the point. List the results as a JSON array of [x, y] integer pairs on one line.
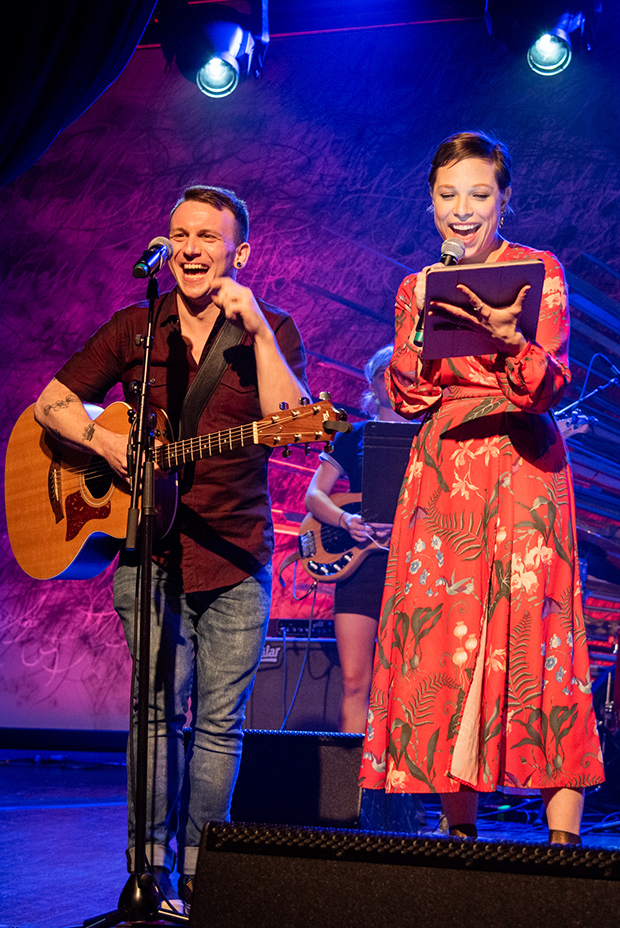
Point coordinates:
[[66, 511], [328, 553]]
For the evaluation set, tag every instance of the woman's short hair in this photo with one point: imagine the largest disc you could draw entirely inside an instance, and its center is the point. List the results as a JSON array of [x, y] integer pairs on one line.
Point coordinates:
[[464, 145], [375, 365], [220, 198]]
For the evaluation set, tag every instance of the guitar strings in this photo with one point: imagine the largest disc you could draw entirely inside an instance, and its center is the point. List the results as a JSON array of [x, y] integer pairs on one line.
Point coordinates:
[[188, 445], [215, 443], [330, 534]]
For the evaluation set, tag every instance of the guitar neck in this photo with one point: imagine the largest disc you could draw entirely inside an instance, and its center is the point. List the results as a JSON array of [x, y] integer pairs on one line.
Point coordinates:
[[188, 450]]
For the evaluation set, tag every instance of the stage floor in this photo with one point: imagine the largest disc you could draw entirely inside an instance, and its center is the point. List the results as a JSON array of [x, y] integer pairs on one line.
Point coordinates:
[[62, 835]]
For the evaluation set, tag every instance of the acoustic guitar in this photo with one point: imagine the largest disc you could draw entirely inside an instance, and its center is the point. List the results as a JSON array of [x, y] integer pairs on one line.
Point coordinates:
[[67, 510]]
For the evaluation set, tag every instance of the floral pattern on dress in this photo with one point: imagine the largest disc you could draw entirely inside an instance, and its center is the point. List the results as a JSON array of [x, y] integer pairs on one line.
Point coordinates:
[[481, 671]]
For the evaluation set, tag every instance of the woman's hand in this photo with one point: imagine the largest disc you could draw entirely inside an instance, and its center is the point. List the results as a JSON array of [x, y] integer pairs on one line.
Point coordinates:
[[353, 524], [501, 323], [419, 291], [363, 531]]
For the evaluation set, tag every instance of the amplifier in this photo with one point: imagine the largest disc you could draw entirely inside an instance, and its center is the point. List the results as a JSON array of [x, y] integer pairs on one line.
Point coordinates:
[[300, 675], [301, 628]]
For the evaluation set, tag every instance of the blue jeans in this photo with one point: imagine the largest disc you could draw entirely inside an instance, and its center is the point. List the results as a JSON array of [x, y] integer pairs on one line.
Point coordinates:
[[206, 646]]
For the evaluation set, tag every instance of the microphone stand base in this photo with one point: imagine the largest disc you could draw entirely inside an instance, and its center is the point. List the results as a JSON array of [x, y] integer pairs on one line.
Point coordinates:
[[137, 905]]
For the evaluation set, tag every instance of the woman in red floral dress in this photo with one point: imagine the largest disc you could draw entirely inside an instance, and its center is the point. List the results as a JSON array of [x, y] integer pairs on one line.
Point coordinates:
[[481, 678]]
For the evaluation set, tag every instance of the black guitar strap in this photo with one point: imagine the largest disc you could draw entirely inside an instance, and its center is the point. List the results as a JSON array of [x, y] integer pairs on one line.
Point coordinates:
[[209, 375]]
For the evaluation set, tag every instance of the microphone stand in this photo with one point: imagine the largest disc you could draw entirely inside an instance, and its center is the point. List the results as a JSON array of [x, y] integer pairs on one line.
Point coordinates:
[[574, 406], [138, 901]]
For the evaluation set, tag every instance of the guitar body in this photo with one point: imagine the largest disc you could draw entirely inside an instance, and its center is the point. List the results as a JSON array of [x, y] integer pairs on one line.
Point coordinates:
[[328, 553], [66, 511]]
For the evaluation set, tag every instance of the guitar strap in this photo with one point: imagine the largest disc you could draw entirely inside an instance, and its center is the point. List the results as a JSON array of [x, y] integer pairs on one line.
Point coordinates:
[[209, 375], [290, 559]]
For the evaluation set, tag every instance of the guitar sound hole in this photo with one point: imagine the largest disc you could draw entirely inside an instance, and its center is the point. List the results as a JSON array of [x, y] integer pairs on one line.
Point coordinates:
[[98, 478]]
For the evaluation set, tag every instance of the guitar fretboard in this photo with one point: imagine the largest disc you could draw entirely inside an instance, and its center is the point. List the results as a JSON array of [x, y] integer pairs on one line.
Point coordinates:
[[205, 446]]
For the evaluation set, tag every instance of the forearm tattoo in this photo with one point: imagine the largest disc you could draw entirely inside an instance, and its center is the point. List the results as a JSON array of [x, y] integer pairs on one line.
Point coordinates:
[[61, 404], [88, 432]]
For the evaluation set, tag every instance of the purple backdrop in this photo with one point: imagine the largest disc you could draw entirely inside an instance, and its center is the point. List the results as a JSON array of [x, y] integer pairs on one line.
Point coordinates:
[[330, 149]]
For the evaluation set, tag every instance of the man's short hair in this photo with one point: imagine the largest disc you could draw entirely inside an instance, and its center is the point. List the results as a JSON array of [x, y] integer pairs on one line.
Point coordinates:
[[220, 198]]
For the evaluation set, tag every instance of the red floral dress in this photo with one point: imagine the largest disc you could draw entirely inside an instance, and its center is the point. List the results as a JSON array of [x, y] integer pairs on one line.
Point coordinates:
[[481, 671]]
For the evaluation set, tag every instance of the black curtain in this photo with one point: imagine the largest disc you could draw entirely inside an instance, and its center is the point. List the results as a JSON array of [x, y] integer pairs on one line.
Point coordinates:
[[58, 57]]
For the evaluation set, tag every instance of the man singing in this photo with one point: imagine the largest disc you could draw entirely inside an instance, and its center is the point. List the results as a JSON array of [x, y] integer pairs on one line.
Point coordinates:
[[212, 572]]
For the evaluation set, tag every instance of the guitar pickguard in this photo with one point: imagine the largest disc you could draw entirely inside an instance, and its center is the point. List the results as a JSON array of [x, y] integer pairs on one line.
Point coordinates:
[[335, 540], [79, 513]]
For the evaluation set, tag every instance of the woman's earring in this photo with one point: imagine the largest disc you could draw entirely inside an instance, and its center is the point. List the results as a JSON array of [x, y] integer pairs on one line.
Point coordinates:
[[238, 263], [501, 220]]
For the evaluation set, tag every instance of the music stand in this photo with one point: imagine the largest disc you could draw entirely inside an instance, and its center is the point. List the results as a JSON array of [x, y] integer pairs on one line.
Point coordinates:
[[386, 449]]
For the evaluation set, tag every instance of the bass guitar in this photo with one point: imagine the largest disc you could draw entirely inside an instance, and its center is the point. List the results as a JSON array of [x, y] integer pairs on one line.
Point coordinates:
[[66, 510], [328, 553]]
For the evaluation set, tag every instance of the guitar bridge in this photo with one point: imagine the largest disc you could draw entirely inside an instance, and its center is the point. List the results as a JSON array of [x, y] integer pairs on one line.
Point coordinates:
[[54, 488], [307, 544]]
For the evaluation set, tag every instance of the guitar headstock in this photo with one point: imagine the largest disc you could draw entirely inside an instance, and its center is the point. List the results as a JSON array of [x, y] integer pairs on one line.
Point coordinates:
[[307, 424], [575, 425]]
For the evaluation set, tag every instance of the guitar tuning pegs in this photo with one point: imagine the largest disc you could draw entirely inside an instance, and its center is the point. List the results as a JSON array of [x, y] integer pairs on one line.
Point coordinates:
[[329, 447], [304, 400], [283, 405], [286, 452], [306, 448], [325, 395]]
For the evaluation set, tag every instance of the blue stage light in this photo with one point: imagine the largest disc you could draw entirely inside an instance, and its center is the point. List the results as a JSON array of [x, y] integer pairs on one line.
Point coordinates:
[[551, 53], [218, 78], [215, 46], [228, 46], [543, 31]]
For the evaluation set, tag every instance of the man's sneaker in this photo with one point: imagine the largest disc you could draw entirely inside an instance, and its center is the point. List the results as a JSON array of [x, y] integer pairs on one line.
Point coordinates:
[[169, 901], [186, 891]]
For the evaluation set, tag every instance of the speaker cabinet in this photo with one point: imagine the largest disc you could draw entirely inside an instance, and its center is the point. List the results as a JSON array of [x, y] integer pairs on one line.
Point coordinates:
[[299, 778], [301, 675], [252, 876]]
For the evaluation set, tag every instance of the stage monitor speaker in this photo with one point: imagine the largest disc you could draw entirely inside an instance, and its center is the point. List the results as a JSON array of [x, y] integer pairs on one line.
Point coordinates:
[[252, 876], [299, 778], [315, 702]]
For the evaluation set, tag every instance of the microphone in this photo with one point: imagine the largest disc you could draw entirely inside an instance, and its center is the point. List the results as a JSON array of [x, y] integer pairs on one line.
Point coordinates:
[[154, 257], [452, 250]]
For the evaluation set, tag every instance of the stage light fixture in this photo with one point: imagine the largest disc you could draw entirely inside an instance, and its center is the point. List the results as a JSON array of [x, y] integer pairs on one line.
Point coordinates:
[[551, 53], [215, 45], [544, 31], [228, 49]]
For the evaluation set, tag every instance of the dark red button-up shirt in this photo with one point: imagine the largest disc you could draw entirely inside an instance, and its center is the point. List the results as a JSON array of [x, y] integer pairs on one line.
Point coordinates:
[[223, 530]]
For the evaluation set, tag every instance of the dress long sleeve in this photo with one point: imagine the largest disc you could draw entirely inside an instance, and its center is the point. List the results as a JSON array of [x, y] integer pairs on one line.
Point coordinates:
[[412, 385], [533, 380]]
